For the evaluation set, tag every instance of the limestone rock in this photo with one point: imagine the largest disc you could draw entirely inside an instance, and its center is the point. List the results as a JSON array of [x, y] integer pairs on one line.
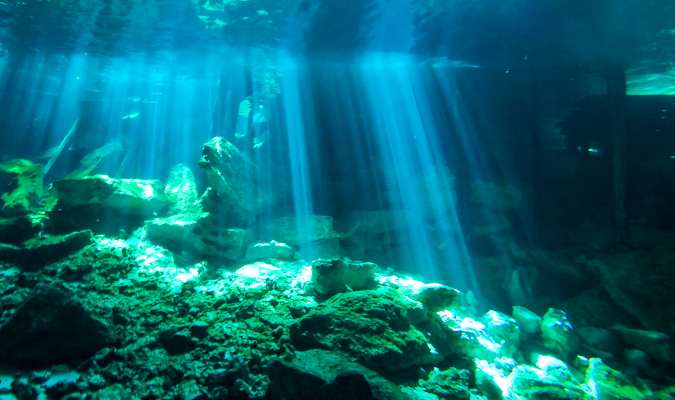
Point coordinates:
[[321, 374], [198, 236], [52, 326], [22, 181], [181, 190], [373, 326], [451, 383], [434, 296], [530, 323], [656, 344], [231, 178], [558, 334], [40, 251], [16, 229], [271, 249], [504, 330], [100, 202], [331, 276], [610, 384]]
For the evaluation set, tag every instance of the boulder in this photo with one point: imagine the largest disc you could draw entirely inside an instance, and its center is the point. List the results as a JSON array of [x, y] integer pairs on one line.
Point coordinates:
[[16, 229], [331, 276], [376, 327], [610, 384], [322, 374], [40, 251], [105, 204], [266, 250], [558, 334], [52, 326], [22, 186], [198, 236], [656, 344], [231, 179], [434, 296], [451, 383], [181, 190], [504, 330], [530, 322]]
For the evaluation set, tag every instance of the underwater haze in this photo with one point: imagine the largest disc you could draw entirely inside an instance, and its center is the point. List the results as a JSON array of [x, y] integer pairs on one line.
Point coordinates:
[[355, 199]]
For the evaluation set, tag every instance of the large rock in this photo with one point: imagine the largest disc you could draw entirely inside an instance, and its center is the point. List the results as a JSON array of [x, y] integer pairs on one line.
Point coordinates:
[[17, 229], [52, 326], [558, 334], [530, 322], [40, 251], [504, 330], [610, 384], [331, 276], [656, 344], [434, 296], [22, 186], [231, 177], [181, 190], [103, 203], [198, 236], [321, 374], [376, 327]]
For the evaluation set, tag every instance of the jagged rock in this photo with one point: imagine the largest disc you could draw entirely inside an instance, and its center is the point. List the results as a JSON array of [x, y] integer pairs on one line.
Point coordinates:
[[530, 383], [198, 236], [331, 276], [451, 383], [271, 249], [52, 326], [181, 190], [558, 334], [16, 229], [610, 384], [465, 336], [656, 344], [37, 252], [22, 186], [434, 296], [504, 330], [314, 232], [176, 341], [529, 322], [231, 178], [321, 374], [103, 203], [376, 327]]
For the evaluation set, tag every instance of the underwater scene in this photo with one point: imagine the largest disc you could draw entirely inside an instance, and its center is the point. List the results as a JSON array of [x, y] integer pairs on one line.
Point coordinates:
[[337, 199]]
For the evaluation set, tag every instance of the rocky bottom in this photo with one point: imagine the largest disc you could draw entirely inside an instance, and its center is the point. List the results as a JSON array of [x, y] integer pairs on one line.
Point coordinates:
[[119, 319]]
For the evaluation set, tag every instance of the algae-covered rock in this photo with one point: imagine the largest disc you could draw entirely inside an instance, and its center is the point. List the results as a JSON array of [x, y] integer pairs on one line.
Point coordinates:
[[451, 383], [40, 251], [656, 344], [434, 296], [331, 276], [52, 326], [16, 229], [606, 383], [322, 374], [22, 186], [529, 322], [181, 190], [558, 334], [537, 384], [504, 330], [101, 203], [231, 177], [373, 326], [198, 236]]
